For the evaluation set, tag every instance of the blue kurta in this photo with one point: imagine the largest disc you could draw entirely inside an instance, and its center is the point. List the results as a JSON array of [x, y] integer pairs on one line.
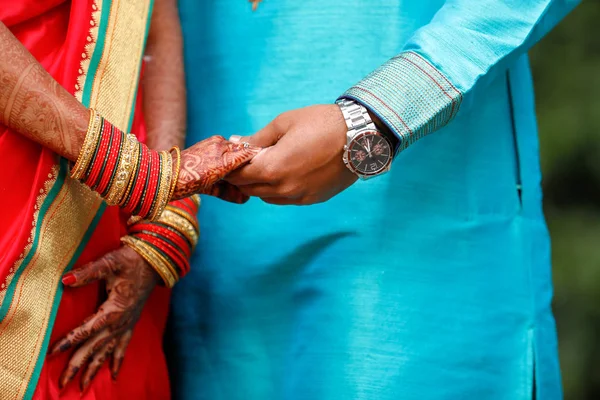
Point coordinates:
[[430, 282]]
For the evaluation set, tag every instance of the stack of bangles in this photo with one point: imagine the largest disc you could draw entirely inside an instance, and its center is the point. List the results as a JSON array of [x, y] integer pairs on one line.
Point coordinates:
[[124, 171], [167, 244]]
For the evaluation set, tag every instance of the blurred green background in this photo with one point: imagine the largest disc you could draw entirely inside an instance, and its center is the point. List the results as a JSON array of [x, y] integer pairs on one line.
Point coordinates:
[[566, 68]]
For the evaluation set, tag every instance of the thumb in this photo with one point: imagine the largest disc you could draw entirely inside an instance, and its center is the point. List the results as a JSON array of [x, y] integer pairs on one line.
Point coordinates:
[[267, 136], [91, 272]]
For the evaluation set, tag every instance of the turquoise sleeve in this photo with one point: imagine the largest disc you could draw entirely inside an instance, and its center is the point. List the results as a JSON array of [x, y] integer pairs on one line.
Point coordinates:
[[445, 67]]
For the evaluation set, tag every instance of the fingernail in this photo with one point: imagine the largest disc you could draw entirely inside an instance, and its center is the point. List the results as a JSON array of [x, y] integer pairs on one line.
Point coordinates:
[[235, 138], [69, 279]]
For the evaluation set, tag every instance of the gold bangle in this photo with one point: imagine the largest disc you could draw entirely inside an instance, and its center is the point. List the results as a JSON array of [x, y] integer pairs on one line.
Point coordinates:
[[124, 171], [176, 173], [181, 225], [153, 259], [164, 186], [196, 199], [158, 256], [90, 143], [185, 215], [134, 172]]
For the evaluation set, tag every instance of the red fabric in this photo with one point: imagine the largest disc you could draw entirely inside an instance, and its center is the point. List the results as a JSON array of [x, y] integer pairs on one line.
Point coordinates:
[[55, 31]]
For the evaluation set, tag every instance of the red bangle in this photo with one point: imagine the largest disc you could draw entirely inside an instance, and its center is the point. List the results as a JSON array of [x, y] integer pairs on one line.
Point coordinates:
[[175, 258], [122, 140], [113, 153], [104, 160], [151, 191], [186, 205], [174, 237], [140, 181], [97, 160], [179, 241], [173, 255]]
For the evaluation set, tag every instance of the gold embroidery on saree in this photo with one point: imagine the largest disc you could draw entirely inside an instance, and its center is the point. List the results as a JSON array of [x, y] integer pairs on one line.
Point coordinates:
[[22, 329], [125, 36], [52, 175]]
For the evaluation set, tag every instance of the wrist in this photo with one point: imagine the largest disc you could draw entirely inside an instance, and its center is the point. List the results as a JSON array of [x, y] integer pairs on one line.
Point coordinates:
[[124, 171]]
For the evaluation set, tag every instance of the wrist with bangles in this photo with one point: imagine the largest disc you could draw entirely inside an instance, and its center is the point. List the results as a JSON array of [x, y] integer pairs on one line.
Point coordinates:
[[167, 243], [124, 171]]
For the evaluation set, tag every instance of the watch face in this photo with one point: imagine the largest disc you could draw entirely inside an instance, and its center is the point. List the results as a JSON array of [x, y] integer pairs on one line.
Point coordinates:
[[369, 153]]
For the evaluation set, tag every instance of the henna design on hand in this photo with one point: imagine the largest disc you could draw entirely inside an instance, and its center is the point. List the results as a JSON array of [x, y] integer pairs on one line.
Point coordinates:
[[206, 163], [129, 282], [34, 104]]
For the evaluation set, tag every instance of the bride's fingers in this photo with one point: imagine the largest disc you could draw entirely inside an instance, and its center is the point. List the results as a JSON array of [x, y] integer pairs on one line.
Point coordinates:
[[226, 191], [92, 271], [238, 154], [97, 360], [83, 354], [119, 353], [90, 327]]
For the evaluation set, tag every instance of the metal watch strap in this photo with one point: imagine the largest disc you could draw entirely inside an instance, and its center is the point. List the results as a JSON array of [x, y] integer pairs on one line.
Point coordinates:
[[356, 116]]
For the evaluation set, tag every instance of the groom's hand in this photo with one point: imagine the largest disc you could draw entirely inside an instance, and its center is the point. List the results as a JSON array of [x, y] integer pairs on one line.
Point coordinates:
[[303, 164]]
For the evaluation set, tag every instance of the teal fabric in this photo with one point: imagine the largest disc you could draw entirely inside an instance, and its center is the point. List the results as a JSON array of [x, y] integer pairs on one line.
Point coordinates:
[[430, 282], [469, 43]]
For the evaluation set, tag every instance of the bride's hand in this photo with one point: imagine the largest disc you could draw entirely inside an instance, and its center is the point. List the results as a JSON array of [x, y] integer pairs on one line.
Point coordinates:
[[105, 334], [205, 164]]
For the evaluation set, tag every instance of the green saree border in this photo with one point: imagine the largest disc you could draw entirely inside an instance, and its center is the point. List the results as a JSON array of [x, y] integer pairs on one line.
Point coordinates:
[[151, 8], [32, 384], [98, 51], [10, 290]]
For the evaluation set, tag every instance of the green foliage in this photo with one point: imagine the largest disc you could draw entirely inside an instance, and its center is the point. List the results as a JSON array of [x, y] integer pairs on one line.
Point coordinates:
[[566, 66]]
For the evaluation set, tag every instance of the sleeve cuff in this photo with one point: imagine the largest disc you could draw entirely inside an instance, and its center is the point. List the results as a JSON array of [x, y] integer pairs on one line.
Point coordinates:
[[409, 95]]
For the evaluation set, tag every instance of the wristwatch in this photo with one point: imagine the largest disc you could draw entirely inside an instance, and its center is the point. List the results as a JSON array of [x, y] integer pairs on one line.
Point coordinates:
[[368, 151]]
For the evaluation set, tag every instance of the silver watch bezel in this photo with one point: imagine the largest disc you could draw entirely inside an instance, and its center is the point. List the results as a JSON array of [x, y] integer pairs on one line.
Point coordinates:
[[356, 114], [346, 156]]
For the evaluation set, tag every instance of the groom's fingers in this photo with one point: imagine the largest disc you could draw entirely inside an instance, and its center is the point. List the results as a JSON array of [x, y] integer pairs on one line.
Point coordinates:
[[267, 136], [226, 191], [256, 171], [259, 190]]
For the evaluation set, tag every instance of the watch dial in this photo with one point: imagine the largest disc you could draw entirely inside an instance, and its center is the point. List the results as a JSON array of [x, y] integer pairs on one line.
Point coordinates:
[[369, 153]]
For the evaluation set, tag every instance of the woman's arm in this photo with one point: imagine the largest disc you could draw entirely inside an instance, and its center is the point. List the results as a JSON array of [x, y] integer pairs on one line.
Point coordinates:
[[33, 104], [163, 82]]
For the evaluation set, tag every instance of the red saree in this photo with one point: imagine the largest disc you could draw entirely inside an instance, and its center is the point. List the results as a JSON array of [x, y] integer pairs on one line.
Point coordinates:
[[51, 223]]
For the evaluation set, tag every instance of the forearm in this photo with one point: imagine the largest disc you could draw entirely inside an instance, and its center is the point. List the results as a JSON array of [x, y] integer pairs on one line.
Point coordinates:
[[163, 82], [33, 104]]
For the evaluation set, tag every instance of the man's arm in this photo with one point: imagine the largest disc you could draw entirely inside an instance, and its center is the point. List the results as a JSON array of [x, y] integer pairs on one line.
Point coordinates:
[[33, 104], [441, 72], [446, 66]]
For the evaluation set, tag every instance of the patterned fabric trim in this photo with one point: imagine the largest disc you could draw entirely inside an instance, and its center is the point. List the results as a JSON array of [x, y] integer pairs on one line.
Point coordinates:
[[410, 95]]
